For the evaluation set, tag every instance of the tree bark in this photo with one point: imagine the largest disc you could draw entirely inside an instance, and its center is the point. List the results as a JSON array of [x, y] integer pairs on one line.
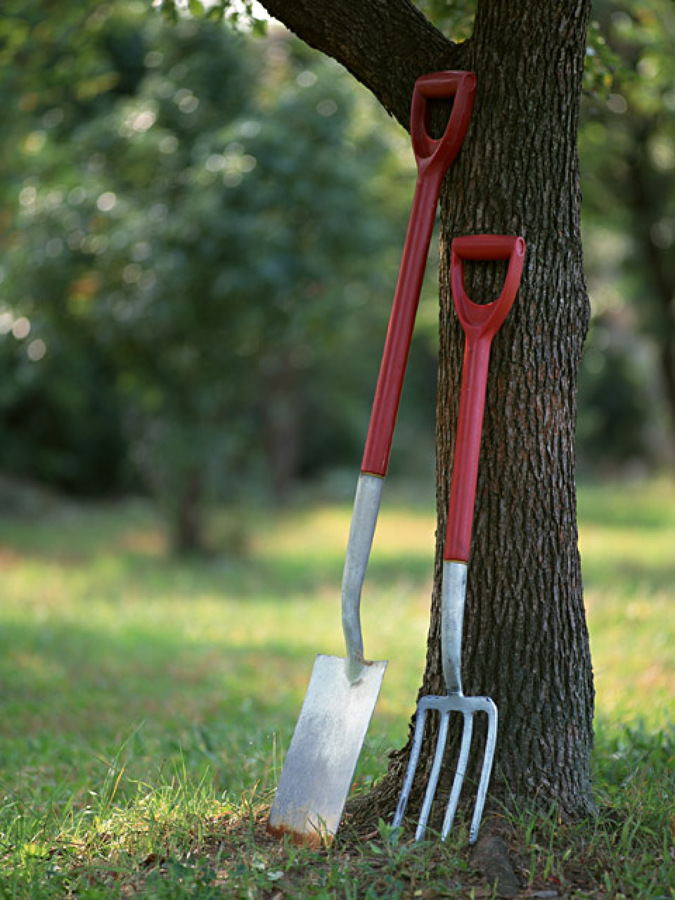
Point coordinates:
[[525, 631], [187, 535], [282, 428], [525, 637]]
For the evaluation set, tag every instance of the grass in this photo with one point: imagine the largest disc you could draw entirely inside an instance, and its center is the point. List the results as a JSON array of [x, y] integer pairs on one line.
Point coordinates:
[[146, 705], [627, 541]]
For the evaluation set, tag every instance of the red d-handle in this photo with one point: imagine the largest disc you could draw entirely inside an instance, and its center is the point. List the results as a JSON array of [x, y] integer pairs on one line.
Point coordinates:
[[440, 153], [485, 319], [480, 323]]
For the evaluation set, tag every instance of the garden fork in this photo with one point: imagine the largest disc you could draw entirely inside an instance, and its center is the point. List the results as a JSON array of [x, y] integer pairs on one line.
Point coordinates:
[[480, 324]]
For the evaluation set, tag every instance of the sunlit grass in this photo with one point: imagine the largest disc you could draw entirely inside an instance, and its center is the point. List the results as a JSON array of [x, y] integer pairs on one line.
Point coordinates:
[[95, 618], [627, 542], [130, 682]]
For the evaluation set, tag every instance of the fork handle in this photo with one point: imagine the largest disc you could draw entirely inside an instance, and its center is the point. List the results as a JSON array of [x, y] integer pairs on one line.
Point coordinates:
[[480, 323]]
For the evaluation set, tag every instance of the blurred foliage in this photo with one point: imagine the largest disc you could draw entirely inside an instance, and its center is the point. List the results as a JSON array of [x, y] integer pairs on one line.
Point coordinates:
[[200, 235], [60, 415], [454, 18], [613, 399], [627, 153], [209, 226], [238, 13]]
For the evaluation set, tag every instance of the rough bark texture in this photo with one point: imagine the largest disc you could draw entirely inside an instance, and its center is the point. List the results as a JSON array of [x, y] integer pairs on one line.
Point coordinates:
[[525, 632], [525, 637]]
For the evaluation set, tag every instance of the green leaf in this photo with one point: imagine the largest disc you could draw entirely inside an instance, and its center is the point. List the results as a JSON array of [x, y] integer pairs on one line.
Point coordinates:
[[215, 14], [259, 27], [169, 11]]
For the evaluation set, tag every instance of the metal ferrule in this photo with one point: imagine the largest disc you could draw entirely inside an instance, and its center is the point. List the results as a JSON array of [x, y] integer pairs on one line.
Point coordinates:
[[453, 595], [361, 532]]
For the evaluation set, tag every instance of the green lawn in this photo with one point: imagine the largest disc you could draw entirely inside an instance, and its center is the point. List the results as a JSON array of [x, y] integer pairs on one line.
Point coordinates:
[[143, 698], [627, 540]]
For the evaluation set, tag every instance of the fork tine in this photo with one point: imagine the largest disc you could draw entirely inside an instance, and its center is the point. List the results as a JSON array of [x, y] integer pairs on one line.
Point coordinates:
[[435, 773], [488, 757], [412, 766], [458, 780], [468, 707]]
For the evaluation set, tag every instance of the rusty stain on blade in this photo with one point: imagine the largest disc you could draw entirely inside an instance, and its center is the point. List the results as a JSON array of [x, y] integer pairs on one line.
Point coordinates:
[[324, 751]]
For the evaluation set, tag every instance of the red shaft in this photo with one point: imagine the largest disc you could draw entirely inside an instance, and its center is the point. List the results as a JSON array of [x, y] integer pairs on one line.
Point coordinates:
[[401, 323], [467, 447]]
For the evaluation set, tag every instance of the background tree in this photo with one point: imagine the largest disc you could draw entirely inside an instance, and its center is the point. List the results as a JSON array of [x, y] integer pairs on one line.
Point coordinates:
[[628, 180], [188, 223], [60, 415], [525, 632]]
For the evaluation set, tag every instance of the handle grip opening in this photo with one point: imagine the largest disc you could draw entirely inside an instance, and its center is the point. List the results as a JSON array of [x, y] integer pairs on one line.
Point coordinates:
[[485, 319], [441, 152]]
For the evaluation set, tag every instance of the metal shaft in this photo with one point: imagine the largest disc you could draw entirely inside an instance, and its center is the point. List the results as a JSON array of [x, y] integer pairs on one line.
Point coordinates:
[[361, 533], [453, 596]]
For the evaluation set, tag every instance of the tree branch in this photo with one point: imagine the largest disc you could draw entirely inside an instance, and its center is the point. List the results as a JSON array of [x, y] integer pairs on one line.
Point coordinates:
[[385, 44]]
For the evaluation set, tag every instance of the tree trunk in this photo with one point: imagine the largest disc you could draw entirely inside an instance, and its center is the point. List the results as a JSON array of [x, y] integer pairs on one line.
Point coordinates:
[[645, 206], [525, 637], [525, 631], [282, 425], [187, 534]]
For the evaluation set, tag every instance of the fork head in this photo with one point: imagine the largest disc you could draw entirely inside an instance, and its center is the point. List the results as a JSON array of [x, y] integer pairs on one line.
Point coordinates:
[[468, 707]]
